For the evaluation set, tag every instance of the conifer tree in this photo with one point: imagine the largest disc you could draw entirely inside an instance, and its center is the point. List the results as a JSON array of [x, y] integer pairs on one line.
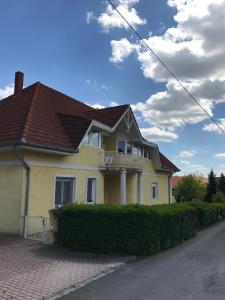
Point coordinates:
[[221, 184], [211, 187]]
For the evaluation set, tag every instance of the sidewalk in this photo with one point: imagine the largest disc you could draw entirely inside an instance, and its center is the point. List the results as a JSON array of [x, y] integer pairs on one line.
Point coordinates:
[[29, 270]]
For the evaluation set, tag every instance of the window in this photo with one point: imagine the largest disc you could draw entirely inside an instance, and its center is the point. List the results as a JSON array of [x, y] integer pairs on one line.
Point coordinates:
[[91, 190], [135, 150], [94, 138], [121, 147], [154, 191], [129, 148], [64, 190], [145, 153]]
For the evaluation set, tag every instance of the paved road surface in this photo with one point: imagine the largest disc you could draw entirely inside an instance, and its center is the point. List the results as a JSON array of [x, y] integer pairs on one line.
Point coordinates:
[[193, 270]]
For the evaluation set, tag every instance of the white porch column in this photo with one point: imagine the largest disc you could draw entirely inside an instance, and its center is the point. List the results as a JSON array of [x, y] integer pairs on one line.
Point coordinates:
[[123, 186], [140, 187]]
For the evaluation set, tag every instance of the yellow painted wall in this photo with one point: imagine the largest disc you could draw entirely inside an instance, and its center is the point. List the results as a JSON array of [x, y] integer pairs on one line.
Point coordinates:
[[112, 188], [10, 198]]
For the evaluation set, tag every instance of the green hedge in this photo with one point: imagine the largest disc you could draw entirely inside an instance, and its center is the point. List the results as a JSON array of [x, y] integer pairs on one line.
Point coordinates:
[[208, 213], [132, 229]]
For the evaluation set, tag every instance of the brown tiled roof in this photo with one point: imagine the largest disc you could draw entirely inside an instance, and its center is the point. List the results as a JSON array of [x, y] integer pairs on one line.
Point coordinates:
[[42, 116], [167, 164], [201, 179], [109, 115]]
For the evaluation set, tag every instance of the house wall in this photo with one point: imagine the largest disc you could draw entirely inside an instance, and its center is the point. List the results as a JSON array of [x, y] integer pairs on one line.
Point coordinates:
[[45, 167], [11, 193], [152, 176]]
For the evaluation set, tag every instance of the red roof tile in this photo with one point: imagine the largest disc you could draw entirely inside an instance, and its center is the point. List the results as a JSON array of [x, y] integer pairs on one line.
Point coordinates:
[[43, 117], [109, 115], [167, 164]]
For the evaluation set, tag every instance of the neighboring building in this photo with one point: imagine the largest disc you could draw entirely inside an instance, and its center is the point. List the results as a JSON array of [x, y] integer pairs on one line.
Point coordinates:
[[55, 149], [177, 179]]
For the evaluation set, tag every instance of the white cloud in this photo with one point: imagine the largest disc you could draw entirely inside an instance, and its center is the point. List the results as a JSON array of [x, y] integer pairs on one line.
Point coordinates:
[[111, 19], [220, 155], [197, 169], [100, 106], [121, 50], [6, 91], [90, 17], [187, 153], [95, 85], [212, 127], [157, 134], [195, 52]]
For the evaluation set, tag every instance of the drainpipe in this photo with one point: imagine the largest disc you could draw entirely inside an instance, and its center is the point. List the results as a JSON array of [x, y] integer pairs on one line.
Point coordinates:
[[170, 185], [27, 168]]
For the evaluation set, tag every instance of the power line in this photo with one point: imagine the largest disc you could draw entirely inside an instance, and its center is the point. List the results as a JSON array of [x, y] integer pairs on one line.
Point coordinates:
[[165, 66]]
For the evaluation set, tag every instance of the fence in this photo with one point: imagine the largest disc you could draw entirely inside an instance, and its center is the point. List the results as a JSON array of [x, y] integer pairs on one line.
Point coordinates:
[[38, 228]]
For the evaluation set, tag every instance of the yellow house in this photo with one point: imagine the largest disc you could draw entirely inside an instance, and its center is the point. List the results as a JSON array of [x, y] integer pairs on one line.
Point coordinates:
[[55, 149]]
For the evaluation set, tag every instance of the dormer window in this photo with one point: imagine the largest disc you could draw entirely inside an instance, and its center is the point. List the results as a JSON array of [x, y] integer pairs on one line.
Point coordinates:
[[94, 138]]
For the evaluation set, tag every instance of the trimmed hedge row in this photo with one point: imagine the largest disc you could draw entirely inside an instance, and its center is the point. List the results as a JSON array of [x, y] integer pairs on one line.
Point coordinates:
[[132, 229]]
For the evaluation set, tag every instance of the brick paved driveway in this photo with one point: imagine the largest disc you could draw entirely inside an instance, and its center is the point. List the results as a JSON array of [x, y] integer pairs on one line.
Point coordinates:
[[29, 270]]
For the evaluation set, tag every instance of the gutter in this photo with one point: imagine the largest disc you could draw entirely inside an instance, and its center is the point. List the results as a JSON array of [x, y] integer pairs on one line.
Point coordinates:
[[26, 210], [170, 185]]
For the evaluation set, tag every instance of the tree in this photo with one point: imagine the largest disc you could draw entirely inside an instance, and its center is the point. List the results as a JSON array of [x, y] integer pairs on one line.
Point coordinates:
[[218, 197], [211, 186], [221, 184], [188, 189]]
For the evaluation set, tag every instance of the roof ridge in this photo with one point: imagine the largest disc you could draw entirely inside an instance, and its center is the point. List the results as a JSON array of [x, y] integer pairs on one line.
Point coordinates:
[[67, 96], [30, 111], [109, 107]]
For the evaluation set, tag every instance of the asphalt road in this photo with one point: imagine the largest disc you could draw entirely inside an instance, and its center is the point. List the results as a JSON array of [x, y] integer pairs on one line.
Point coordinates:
[[193, 270]]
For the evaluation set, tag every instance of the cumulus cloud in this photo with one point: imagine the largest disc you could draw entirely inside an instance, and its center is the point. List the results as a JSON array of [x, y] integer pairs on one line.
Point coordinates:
[[213, 128], [121, 50], [6, 91], [157, 134], [220, 155], [195, 52], [111, 19], [197, 169], [187, 153]]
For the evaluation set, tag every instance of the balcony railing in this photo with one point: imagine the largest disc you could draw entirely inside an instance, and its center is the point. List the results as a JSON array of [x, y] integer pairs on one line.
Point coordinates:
[[112, 159]]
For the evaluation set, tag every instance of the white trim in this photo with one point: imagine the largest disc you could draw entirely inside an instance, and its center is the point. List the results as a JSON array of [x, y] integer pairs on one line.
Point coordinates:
[[74, 195], [153, 183], [96, 189]]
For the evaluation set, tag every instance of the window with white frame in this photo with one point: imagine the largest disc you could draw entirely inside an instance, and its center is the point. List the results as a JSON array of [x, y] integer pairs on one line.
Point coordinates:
[[94, 138], [154, 191], [64, 190], [91, 190]]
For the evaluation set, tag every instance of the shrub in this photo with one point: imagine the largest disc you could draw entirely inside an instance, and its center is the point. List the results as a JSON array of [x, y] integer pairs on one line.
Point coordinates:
[[218, 197], [131, 229], [208, 213], [189, 188]]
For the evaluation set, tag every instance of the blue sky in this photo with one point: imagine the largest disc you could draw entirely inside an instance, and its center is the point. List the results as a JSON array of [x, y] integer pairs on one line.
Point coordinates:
[[83, 49]]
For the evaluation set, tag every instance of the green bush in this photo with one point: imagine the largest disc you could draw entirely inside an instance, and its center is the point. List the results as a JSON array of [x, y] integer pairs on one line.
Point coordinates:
[[131, 229], [208, 213], [189, 188], [218, 197]]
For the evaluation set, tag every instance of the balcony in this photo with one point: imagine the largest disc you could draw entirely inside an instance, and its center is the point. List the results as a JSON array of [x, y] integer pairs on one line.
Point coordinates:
[[114, 160]]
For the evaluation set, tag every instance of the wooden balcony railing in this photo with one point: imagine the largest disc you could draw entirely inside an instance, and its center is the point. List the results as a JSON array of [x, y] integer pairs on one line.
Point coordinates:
[[114, 159]]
